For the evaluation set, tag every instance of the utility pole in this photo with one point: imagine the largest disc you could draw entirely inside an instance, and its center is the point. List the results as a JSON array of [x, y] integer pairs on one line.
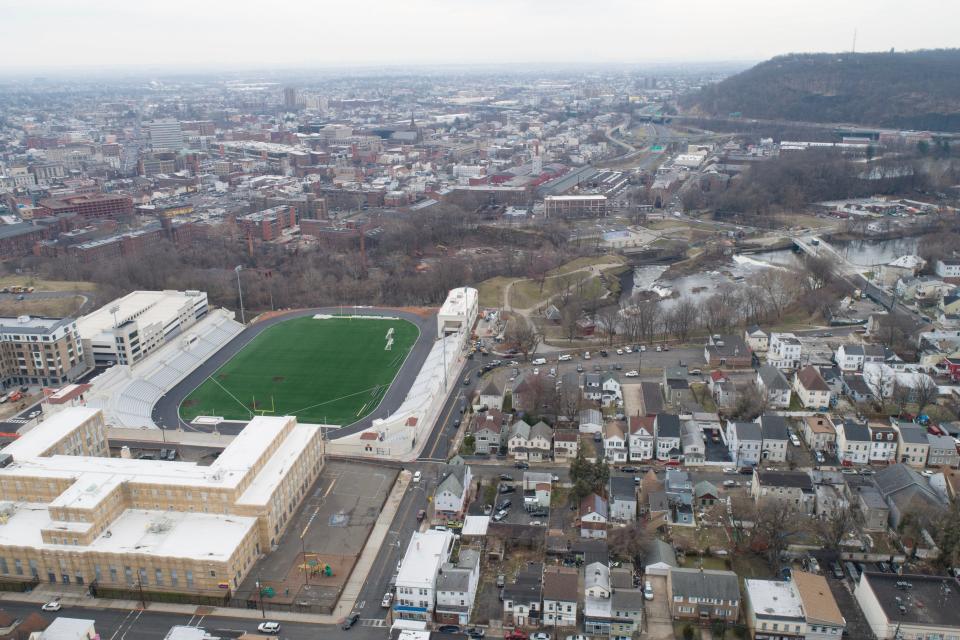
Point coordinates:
[[238, 269], [263, 613], [143, 600]]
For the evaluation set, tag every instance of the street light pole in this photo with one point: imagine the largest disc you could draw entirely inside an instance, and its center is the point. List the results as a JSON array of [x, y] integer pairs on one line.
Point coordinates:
[[263, 613], [238, 269]]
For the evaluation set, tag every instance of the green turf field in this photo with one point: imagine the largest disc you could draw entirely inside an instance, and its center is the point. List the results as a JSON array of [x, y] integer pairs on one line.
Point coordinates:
[[333, 371]]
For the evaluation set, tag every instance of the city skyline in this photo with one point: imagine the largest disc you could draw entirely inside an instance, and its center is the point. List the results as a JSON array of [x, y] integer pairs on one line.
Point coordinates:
[[217, 35]]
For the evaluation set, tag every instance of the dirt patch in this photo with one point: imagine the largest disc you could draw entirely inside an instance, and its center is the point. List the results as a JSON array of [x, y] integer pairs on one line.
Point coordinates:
[[189, 403], [278, 378], [223, 376]]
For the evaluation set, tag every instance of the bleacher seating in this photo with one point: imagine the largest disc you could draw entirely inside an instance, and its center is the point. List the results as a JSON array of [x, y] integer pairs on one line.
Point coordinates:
[[127, 395]]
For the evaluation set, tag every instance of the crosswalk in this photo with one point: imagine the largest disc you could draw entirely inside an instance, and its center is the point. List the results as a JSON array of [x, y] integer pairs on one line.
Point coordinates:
[[18, 420], [373, 622]]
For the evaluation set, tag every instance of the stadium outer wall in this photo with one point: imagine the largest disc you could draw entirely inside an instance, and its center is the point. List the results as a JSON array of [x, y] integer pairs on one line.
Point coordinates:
[[402, 435]]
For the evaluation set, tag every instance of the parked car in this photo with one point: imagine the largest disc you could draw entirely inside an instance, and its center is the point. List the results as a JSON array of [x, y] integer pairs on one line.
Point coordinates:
[[349, 621], [628, 469], [648, 591], [837, 570], [449, 628], [539, 635], [476, 632], [421, 514], [632, 374], [619, 352], [564, 357], [506, 476], [417, 475], [522, 465], [506, 488], [501, 580], [506, 504], [387, 600], [499, 515], [53, 605]]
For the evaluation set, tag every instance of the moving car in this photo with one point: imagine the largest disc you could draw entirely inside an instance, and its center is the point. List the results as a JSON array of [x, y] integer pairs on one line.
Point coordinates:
[[417, 475], [540, 635], [565, 357], [349, 621], [421, 514], [268, 627], [449, 628], [506, 476], [539, 361], [476, 632], [648, 591], [53, 605], [619, 352], [632, 374], [387, 600]]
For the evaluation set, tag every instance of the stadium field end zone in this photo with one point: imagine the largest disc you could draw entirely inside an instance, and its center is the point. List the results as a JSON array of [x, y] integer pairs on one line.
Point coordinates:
[[327, 369]]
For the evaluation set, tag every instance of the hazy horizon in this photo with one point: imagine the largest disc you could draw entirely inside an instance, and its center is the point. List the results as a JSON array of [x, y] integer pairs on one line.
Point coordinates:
[[43, 36]]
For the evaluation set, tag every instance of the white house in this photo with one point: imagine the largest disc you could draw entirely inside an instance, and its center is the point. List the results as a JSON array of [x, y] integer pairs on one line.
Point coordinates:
[[774, 607], [784, 351], [773, 384], [883, 443], [849, 357], [540, 442], [949, 268], [591, 421], [853, 442], [641, 438], [610, 389], [560, 596], [776, 435], [417, 577], [744, 442], [450, 496], [594, 515], [491, 396], [614, 442], [457, 588], [667, 432], [519, 440], [756, 338]]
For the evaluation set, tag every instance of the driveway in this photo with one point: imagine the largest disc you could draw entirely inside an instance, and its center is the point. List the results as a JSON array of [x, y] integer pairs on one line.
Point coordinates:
[[659, 624]]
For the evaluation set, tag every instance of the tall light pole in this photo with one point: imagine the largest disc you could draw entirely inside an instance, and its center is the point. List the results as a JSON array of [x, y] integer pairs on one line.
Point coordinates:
[[238, 269]]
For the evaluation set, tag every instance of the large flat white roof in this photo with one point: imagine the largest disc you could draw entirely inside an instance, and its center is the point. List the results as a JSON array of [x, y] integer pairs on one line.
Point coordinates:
[[258, 492], [774, 598], [41, 437], [147, 307], [425, 553], [160, 533], [459, 301]]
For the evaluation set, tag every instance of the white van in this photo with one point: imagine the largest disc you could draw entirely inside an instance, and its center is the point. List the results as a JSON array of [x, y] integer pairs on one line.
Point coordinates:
[[538, 361], [565, 357], [586, 355]]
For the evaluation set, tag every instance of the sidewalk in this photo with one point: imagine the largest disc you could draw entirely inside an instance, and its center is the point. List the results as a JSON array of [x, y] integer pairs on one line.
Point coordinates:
[[348, 598]]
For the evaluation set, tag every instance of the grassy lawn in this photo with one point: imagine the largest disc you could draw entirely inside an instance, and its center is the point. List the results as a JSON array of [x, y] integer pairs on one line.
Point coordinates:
[[491, 291], [51, 307], [332, 371], [46, 285], [527, 293], [702, 394], [588, 261], [750, 565]]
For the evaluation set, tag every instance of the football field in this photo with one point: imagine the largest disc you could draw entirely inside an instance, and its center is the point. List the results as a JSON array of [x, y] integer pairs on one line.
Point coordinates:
[[329, 370]]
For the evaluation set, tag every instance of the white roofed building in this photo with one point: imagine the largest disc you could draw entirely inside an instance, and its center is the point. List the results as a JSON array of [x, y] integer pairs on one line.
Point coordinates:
[[71, 515], [417, 578], [459, 311]]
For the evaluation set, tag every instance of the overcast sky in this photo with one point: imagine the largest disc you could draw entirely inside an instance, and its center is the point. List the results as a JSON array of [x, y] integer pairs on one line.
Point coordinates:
[[52, 34]]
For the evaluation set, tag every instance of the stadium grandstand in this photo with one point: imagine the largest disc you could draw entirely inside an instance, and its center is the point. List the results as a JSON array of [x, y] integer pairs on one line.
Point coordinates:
[[127, 395]]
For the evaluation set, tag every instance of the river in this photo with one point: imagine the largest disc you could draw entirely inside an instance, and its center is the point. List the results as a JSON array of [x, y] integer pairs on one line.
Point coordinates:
[[648, 278]]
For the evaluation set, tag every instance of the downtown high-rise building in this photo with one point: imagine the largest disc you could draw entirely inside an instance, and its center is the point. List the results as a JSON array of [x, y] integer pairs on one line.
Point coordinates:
[[165, 135]]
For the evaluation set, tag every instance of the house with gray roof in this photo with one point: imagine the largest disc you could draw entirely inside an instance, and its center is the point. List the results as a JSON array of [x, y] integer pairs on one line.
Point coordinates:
[[905, 491], [540, 442], [745, 443], [942, 451], [491, 396], [793, 487], [704, 595], [776, 436], [517, 444], [660, 558], [853, 442], [623, 499], [450, 496], [775, 387], [591, 421], [667, 431], [457, 588]]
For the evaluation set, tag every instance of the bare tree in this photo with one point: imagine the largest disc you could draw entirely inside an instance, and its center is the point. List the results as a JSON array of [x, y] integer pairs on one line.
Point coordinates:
[[925, 393], [570, 314], [682, 319], [776, 524], [751, 402], [523, 336], [900, 395], [609, 318], [631, 542], [837, 525]]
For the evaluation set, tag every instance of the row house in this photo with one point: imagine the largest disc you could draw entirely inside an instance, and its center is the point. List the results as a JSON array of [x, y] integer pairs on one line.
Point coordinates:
[[819, 433], [490, 431], [533, 444], [704, 595], [667, 433], [792, 487], [566, 443], [745, 443], [641, 438], [883, 443], [776, 436], [614, 442], [560, 597], [773, 387], [852, 357], [784, 351], [811, 389]]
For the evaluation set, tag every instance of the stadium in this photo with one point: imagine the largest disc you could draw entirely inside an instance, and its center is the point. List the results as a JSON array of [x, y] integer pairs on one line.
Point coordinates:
[[375, 377]]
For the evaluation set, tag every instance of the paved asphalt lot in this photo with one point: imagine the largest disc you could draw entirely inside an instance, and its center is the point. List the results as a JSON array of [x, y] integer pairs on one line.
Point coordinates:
[[166, 411]]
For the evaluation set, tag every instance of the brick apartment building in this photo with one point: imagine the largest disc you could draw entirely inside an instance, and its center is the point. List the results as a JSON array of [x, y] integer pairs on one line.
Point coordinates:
[[93, 205], [39, 351], [268, 224]]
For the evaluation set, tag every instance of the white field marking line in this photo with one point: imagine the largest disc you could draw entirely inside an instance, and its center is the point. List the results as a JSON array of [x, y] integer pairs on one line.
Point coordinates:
[[320, 404], [230, 394]]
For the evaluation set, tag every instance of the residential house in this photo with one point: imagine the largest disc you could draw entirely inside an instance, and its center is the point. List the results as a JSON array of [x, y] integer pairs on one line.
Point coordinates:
[[722, 390], [641, 438], [819, 433], [676, 387], [705, 494], [774, 609], [852, 357], [678, 491], [592, 386], [793, 487], [623, 499], [540, 442], [929, 609], [811, 389], [948, 268], [594, 515], [523, 598], [906, 491], [537, 488], [519, 441], [776, 436], [614, 441], [873, 508], [883, 443], [784, 351], [756, 338], [821, 612], [833, 377], [491, 396], [652, 398], [417, 577], [883, 379], [903, 267], [730, 351], [774, 387], [610, 610], [560, 597], [744, 442], [667, 428], [457, 588], [942, 451], [529, 391], [627, 608], [610, 389], [855, 387], [565, 444], [591, 421], [704, 595], [913, 444], [552, 314], [490, 431], [853, 442], [692, 444], [450, 496]]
